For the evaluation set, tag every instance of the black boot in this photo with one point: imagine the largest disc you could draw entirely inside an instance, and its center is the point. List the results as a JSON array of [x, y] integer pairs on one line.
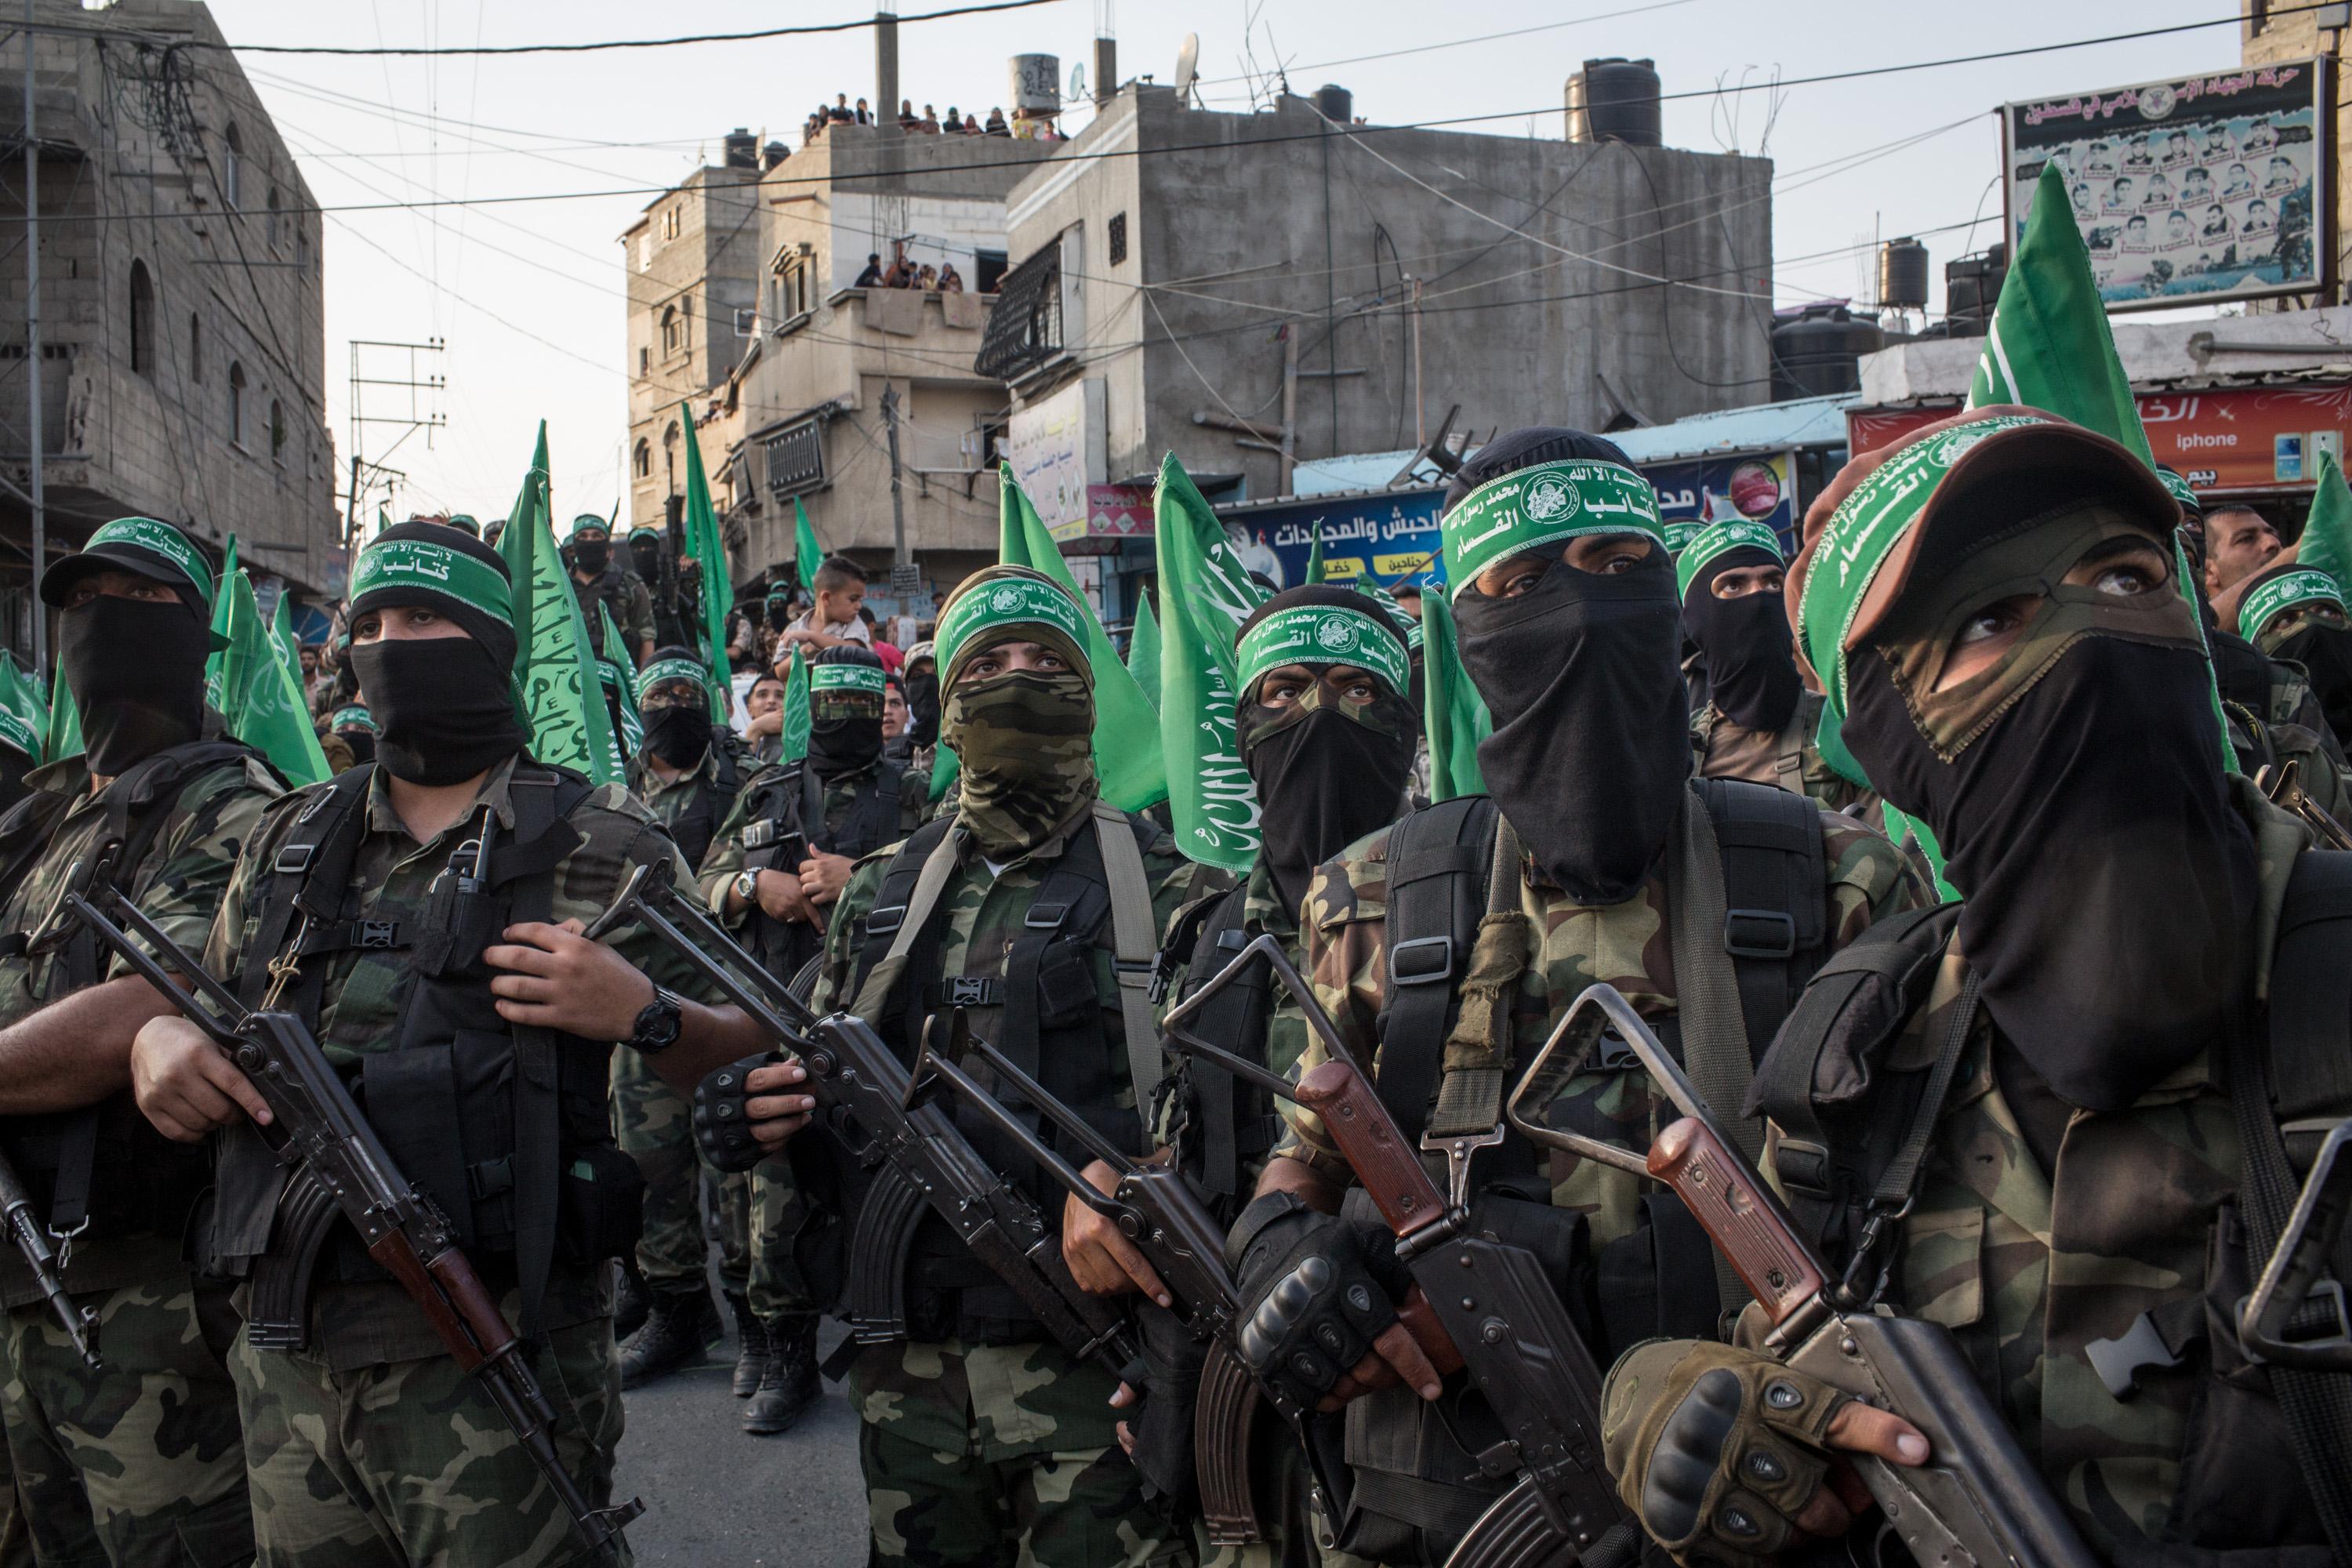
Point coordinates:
[[758, 1349], [678, 1330], [791, 1384], [631, 1299]]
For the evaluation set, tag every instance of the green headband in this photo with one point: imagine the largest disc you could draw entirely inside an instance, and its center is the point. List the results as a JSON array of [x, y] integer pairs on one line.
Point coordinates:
[[1718, 540], [14, 731], [1530, 508], [1862, 531], [1323, 634], [846, 676], [1678, 535], [2304, 585], [647, 528], [353, 715], [663, 669], [1003, 602], [2182, 491], [418, 565], [160, 538]]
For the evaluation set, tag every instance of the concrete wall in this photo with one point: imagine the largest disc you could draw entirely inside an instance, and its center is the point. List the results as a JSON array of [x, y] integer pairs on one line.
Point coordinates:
[[137, 173], [1229, 241], [706, 271], [2292, 32]]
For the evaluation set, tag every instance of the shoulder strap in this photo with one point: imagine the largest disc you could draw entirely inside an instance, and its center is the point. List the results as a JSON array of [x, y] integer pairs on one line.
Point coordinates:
[[1206, 935], [1775, 878], [317, 849], [2311, 997], [903, 905], [1134, 943], [1437, 866]]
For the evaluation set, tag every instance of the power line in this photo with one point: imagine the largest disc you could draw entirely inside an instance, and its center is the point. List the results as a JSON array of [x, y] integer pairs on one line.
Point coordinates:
[[1457, 43]]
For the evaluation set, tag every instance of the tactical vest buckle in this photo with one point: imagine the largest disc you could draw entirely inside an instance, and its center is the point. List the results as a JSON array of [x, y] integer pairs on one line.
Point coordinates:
[[293, 860], [884, 919], [378, 933], [1046, 917], [1803, 1167], [972, 991], [762, 834], [1423, 960], [1759, 933]]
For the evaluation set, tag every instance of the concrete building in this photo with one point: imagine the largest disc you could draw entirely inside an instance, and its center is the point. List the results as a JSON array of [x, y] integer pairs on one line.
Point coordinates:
[[808, 412], [182, 340], [692, 261], [1221, 286], [2271, 31]]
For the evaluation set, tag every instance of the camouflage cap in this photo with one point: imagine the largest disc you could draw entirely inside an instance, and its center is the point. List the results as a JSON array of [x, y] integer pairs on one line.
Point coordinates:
[[1008, 603], [1719, 539]]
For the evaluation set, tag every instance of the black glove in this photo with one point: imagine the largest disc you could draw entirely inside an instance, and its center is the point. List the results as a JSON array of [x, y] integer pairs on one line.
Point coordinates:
[[722, 1125], [1168, 1375], [1316, 1291]]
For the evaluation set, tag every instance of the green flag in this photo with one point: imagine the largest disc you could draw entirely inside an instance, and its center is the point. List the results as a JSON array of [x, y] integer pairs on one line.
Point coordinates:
[[807, 554], [212, 689], [20, 694], [708, 548], [1143, 654], [622, 687], [1315, 555], [61, 725], [1454, 715], [1205, 593], [557, 690], [794, 736], [260, 691]]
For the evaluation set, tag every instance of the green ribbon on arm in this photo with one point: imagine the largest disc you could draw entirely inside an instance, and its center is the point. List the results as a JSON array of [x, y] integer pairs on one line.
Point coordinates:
[[1205, 593], [558, 692]]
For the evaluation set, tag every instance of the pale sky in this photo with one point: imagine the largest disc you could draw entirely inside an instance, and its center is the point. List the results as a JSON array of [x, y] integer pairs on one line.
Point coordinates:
[[529, 295]]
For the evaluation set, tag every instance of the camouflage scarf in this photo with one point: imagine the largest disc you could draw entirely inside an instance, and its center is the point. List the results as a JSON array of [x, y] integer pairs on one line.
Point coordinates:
[[1027, 744]]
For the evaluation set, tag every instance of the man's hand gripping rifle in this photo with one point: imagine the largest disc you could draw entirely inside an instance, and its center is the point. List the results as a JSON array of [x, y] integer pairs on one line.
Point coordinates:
[[858, 1080], [318, 1132], [1977, 1501], [1492, 1299]]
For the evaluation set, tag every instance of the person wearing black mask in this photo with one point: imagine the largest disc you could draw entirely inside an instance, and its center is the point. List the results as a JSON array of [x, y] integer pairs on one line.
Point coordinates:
[[471, 869], [921, 676], [1327, 734], [601, 581], [1614, 864], [1758, 722], [96, 1481], [348, 737], [778, 864], [2112, 1044]]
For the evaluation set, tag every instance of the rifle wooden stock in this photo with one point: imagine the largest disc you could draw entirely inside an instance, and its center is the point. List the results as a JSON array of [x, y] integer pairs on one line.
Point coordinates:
[[1367, 1137], [1744, 1217]]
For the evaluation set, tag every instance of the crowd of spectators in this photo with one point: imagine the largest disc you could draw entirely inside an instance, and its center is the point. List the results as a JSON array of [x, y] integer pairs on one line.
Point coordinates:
[[929, 123]]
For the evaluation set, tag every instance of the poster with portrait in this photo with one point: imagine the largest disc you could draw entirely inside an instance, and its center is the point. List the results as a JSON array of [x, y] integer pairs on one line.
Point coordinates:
[[2206, 188]]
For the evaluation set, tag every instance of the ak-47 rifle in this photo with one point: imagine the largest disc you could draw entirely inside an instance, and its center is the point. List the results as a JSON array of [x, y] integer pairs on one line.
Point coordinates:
[[1978, 1503], [2271, 1319], [32, 1239], [1155, 1207], [1491, 1297], [318, 1132], [2282, 784], [918, 1154]]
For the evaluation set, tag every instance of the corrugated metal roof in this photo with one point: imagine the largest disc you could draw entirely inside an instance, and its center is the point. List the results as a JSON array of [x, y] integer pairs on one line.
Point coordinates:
[[1766, 428], [1351, 472]]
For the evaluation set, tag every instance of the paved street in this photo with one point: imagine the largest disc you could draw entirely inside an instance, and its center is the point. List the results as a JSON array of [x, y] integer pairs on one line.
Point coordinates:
[[717, 1498]]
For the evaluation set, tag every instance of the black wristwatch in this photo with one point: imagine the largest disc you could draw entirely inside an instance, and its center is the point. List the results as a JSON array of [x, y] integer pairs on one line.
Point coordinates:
[[658, 1024]]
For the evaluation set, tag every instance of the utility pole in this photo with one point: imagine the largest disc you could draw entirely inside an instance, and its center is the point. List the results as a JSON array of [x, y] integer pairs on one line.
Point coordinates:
[[33, 349], [1290, 404], [900, 556], [1419, 439]]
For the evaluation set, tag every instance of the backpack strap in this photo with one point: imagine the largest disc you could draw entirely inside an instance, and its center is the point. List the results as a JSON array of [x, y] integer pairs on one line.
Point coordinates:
[[1134, 945], [1437, 865], [1205, 939], [1775, 873], [903, 906]]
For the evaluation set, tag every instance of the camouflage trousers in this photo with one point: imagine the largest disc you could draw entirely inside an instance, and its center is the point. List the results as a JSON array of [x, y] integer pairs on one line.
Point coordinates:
[[752, 1218], [138, 1463], [1001, 1456], [408, 1462], [16, 1548]]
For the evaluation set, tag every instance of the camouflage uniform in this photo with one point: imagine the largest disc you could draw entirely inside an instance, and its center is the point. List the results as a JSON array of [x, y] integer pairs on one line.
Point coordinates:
[[625, 594], [137, 1463], [993, 1452], [653, 1123], [372, 1446], [768, 1198], [1790, 760]]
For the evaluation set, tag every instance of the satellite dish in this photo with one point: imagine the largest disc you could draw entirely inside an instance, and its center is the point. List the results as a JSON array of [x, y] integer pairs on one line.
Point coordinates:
[[1187, 65], [1077, 83]]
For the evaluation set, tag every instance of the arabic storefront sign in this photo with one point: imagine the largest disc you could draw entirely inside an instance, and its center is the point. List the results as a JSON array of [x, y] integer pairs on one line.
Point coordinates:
[[2230, 441], [1762, 488], [1055, 450], [1391, 536], [1115, 514], [2203, 189]]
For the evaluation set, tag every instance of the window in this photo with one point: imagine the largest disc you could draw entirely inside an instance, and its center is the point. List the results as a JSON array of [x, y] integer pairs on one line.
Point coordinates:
[[796, 460], [669, 330], [645, 460], [645, 361], [277, 431], [987, 270], [795, 287], [235, 403], [747, 321], [195, 349], [1118, 238], [232, 186], [645, 252], [1025, 329], [670, 224], [143, 320], [686, 323]]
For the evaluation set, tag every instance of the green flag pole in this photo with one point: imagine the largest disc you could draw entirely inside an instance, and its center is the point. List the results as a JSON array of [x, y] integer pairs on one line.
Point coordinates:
[[708, 548], [557, 690]]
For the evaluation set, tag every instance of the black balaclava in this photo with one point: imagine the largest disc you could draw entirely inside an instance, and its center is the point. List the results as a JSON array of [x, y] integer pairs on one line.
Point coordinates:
[[2325, 652], [1328, 770], [362, 743], [590, 555], [645, 549], [1750, 663], [444, 707], [136, 669], [2080, 800], [680, 733], [844, 725], [922, 706], [1583, 676]]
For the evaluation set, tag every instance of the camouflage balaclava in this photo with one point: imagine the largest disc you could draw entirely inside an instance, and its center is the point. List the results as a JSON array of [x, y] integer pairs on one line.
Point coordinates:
[[2074, 777], [1024, 738]]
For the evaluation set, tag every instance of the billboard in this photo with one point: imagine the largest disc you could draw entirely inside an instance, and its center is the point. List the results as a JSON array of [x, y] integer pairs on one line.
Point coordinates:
[[2211, 187], [1055, 450], [1762, 488], [1388, 535]]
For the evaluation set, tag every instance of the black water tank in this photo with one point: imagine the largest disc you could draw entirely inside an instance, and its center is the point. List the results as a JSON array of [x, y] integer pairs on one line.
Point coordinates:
[[743, 149], [1615, 100], [1335, 103], [1815, 353], [1972, 284], [773, 153], [1903, 275]]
